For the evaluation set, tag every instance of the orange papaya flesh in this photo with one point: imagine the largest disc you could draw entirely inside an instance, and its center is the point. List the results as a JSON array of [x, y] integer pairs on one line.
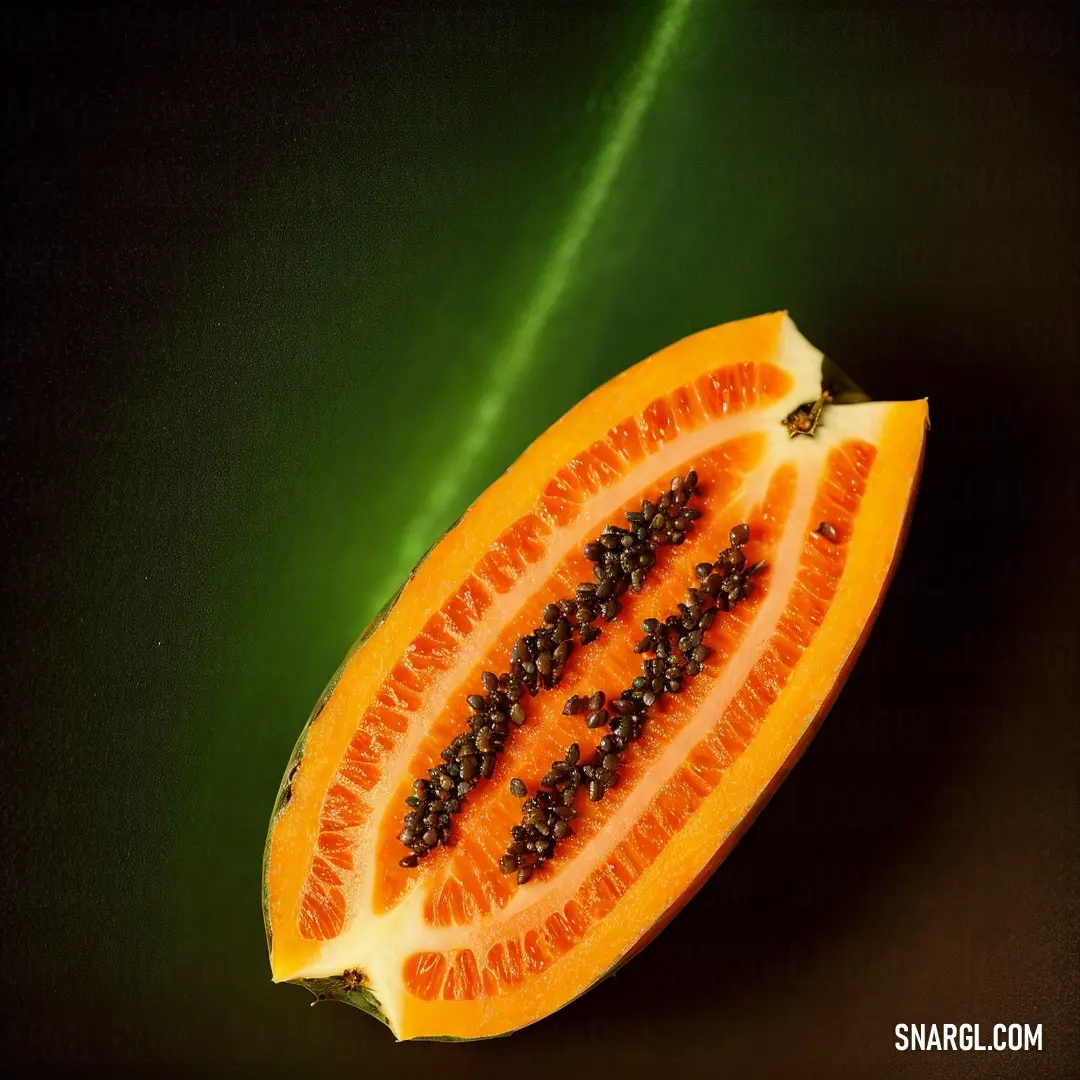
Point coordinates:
[[457, 948]]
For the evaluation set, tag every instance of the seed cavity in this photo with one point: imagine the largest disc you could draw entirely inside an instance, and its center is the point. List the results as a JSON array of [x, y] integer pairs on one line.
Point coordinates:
[[678, 653], [621, 558]]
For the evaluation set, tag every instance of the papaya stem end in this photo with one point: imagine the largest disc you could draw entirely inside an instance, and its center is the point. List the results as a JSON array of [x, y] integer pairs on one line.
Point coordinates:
[[805, 419]]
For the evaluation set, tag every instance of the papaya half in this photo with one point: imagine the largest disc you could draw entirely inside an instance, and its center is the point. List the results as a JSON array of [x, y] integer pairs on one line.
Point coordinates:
[[580, 698]]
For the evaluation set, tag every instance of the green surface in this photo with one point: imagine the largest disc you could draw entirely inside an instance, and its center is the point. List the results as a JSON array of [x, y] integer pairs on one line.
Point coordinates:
[[500, 220]]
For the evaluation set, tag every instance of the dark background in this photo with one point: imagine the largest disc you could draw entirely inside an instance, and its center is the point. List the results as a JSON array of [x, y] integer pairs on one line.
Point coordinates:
[[258, 271]]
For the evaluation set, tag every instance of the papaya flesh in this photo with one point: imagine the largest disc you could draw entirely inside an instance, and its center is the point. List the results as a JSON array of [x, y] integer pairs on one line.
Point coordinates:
[[456, 936]]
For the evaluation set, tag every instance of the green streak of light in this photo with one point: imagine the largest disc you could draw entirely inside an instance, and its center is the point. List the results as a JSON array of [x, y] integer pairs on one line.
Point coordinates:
[[513, 360]]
